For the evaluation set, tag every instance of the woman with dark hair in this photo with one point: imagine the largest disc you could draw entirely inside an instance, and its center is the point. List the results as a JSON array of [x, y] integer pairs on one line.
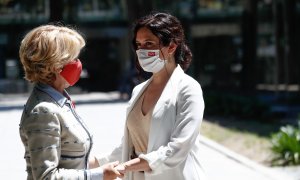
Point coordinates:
[[161, 138]]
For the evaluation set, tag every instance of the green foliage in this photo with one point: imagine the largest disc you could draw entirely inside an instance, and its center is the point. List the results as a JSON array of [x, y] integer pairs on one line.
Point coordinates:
[[235, 105], [286, 146]]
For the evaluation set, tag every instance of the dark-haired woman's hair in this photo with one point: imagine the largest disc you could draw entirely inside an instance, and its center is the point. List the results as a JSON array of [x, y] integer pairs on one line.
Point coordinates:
[[168, 29]]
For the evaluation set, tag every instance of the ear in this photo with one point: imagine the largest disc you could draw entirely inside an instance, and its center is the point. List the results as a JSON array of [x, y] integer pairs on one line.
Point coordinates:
[[59, 71], [172, 48]]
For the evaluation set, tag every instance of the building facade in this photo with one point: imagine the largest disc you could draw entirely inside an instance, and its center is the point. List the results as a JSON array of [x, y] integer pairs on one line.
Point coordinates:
[[215, 31]]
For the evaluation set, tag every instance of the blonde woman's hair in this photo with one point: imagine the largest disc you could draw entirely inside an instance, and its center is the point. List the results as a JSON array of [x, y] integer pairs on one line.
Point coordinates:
[[46, 49]]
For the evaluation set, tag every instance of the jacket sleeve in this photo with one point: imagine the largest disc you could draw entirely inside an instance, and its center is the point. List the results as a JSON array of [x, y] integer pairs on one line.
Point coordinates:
[[116, 155], [42, 130], [189, 114]]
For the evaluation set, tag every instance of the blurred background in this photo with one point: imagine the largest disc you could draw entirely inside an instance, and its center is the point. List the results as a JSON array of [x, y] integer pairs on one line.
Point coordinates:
[[246, 57]]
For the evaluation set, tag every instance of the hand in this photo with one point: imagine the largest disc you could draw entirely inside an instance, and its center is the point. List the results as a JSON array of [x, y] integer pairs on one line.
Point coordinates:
[[109, 171], [93, 163], [118, 178], [121, 168]]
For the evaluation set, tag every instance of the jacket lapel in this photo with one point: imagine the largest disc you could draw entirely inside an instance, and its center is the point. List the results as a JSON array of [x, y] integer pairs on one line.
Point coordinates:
[[168, 96], [137, 96], [170, 90]]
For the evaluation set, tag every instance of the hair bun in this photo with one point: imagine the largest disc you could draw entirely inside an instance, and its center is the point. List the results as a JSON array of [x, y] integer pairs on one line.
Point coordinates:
[[184, 56]]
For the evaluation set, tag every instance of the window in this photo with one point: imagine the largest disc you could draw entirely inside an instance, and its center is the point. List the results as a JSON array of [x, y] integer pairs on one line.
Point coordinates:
[[23, 11]]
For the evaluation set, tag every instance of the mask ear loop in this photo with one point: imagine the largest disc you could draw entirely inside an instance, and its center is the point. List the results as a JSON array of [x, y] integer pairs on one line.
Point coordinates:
[[164, 59], [165, 66]]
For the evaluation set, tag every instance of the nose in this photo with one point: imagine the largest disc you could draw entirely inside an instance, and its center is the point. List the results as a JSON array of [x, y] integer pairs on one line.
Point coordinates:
[[141, 47]]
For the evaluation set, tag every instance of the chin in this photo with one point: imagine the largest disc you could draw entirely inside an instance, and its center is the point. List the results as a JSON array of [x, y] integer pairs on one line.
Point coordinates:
[[67, 85]]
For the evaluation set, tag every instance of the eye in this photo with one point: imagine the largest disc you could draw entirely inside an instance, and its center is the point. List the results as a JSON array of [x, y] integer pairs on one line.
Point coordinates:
[[148, 44], [137, 45], [145, 45]]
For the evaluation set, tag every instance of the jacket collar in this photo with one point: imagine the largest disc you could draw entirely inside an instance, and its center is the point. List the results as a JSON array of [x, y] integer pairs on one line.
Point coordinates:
[[169, 89], [168, 95], [53, 93]]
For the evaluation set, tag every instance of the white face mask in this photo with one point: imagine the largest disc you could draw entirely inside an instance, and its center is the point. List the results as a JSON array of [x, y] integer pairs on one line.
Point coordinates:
[[149, 60]]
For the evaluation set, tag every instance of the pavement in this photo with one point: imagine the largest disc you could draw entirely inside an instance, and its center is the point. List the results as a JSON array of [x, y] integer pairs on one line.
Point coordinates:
[[104, 113]]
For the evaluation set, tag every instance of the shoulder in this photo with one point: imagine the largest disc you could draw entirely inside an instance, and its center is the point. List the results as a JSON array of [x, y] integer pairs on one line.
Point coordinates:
[[46, 107], [190, 94], [43, 115], [41, 102], [184, 82], [188, 84]]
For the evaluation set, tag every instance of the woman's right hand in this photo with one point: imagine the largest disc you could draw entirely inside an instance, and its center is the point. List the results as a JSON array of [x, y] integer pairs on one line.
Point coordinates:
[[109, 171], [121, 168]]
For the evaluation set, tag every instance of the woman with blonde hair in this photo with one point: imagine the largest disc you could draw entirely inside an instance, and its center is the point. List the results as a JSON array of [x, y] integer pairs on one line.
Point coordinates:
[[56, 140]]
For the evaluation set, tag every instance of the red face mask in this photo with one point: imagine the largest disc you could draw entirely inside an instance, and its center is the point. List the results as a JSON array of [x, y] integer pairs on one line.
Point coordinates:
[[71, 72]]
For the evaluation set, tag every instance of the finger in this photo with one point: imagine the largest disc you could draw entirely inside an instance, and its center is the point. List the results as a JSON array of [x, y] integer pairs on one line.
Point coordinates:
[[121, 172], [115, 163], [115, 171], [121, 169]]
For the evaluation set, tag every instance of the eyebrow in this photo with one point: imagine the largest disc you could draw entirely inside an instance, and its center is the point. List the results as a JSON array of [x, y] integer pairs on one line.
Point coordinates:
[[146, 40]]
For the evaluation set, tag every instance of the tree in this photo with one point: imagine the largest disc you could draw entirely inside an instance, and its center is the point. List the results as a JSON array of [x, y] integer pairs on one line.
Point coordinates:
[[138, 8], [279, 42], [56, 10], [290, 47], [249, 33], [284, 12]]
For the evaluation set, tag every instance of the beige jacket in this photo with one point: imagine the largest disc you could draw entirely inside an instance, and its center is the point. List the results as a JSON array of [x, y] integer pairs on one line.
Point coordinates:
[[57, 142]]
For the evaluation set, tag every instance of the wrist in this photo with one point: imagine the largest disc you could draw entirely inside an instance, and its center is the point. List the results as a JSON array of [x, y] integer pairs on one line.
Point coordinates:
[[125, 165], [93, 162], [96, 173], [122, 168]]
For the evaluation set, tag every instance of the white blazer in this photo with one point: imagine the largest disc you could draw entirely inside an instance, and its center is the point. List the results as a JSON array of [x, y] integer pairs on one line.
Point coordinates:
[[173, 145]]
